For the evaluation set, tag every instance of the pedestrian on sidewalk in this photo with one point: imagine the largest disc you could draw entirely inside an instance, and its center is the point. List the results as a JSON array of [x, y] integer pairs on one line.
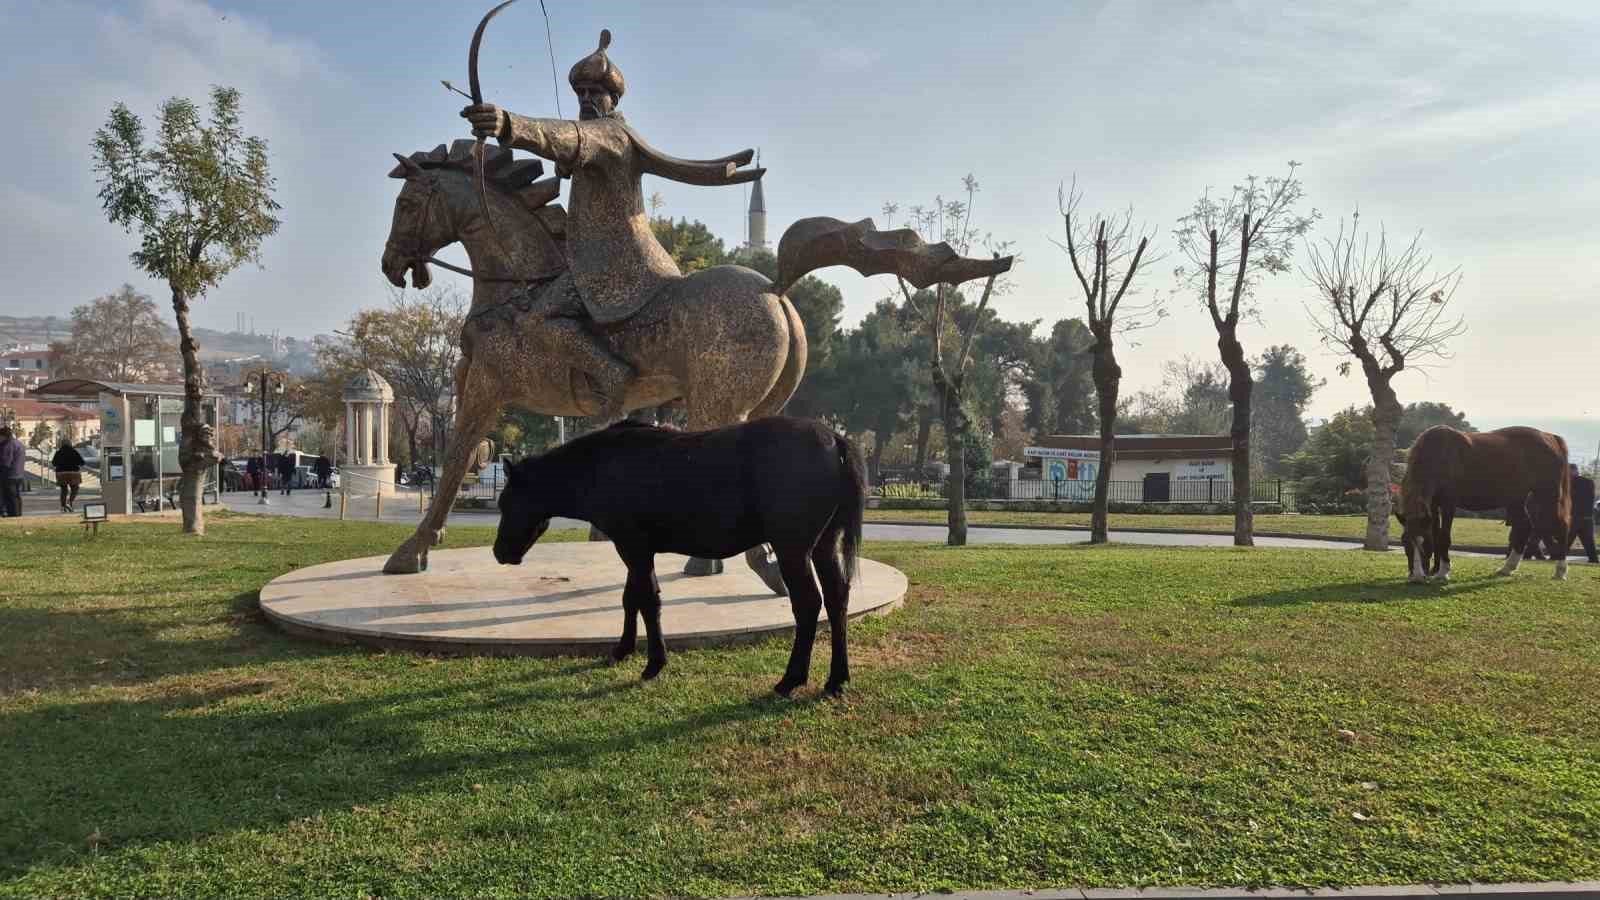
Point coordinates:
[[68, 463], [286, 472], [13, 460], [324, 472]]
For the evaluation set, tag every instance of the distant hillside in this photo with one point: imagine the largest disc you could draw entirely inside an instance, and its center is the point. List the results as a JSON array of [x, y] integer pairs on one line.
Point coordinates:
[[214, 345]]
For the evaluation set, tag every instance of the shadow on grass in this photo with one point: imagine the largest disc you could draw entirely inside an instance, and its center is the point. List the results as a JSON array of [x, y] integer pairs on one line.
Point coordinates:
[[182, 767], [1388, 590]]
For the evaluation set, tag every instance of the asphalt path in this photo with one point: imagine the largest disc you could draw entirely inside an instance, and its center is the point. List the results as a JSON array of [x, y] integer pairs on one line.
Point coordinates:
[[403, 508]]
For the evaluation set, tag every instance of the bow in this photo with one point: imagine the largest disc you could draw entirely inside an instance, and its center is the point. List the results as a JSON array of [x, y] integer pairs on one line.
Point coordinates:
[[477, 99]]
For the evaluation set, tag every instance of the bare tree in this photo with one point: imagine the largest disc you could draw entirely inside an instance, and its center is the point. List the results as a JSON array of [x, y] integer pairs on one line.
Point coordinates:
[[1388, 309], [952, 223], [1230, 245], [1106, 253], [119, 337]]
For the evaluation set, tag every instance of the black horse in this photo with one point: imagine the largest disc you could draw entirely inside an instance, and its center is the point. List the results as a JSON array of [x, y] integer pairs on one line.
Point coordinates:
[[791, 483]]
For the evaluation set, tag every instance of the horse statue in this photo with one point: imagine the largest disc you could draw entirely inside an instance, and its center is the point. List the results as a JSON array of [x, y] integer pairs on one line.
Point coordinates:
[[723, 342], [1521, 470]]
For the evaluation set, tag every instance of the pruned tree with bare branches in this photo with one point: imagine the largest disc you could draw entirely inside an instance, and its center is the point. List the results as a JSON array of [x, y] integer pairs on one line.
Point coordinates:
[[1231, 243], [1388, 309], [1106, 253], [951, 222]]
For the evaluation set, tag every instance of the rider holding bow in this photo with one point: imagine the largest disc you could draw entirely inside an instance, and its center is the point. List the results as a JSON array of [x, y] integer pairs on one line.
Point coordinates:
[[616, 263]]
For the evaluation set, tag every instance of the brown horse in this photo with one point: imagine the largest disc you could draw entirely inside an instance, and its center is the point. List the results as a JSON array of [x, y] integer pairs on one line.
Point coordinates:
[[1521, 470]]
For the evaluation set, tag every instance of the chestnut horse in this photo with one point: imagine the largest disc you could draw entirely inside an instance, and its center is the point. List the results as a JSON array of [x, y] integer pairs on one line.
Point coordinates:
[[1521, 470]]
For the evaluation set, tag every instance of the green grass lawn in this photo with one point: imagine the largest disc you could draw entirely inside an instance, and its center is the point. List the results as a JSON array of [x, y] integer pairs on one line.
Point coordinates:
[[1038, 716], [1482, 532]]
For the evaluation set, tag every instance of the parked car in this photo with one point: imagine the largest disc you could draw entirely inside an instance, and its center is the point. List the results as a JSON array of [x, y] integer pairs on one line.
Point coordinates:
[[90, 454]]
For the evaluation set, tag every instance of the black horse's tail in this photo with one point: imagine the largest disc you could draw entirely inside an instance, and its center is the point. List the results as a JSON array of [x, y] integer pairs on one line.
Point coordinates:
[[852, 502]]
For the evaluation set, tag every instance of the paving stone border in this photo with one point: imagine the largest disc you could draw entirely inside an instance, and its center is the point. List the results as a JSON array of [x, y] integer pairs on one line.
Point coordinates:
[[1545, 890]]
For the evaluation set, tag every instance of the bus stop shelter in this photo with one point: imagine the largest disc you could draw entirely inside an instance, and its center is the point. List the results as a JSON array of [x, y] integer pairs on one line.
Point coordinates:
[[139, 437]]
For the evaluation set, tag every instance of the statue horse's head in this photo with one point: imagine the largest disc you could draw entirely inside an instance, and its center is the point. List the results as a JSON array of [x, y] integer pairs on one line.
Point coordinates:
[[440, 205]]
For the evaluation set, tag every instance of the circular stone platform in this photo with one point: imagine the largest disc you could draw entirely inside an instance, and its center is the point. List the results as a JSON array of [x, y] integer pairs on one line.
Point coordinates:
[[565, 599]]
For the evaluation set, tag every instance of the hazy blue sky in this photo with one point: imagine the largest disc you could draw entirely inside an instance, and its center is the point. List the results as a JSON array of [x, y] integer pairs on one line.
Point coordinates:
[[1475, 121]]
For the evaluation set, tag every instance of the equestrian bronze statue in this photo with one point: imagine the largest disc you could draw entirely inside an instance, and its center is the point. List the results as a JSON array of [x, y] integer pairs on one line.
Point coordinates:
[[579, 311]]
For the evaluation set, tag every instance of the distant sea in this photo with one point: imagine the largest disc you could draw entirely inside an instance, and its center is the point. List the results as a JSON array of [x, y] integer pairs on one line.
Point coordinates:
[[1582, 434]]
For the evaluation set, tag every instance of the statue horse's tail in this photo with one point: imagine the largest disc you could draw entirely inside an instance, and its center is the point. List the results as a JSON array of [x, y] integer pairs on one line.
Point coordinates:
[[794, 366], [816, 243]]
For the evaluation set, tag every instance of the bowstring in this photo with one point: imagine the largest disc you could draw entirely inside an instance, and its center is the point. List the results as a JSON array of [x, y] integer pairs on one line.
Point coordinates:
[[555, 83]]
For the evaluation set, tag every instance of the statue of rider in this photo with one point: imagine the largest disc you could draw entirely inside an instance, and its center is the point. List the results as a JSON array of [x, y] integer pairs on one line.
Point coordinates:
[[617, 266]]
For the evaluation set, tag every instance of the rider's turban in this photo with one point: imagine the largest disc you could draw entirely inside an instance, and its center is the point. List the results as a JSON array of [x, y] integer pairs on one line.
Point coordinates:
[[596, 68]]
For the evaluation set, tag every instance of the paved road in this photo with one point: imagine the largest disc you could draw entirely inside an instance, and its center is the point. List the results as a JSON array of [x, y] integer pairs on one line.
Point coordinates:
[[403, 508]]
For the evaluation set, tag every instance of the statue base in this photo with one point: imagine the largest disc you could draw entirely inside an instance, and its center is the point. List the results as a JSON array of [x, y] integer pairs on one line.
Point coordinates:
[[697, 567], [364, 481]]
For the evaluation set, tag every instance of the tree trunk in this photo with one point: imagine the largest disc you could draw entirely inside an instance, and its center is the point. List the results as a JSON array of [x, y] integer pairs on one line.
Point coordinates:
[[956, 425], [875, 464], [1386, 412], [196, 450], [1107, 382], [924, 428], [1240, 386]]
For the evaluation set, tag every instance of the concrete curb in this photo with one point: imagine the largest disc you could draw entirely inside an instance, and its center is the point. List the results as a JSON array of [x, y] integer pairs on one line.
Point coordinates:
[[1553, 890], [1290, 535]]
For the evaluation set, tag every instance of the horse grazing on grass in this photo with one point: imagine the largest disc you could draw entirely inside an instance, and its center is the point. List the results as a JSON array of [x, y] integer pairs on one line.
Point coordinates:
[[1521, 470], [790, 483]]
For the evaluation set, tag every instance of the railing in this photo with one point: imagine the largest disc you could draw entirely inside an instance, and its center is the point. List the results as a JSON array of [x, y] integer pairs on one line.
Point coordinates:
[[1211, 490]]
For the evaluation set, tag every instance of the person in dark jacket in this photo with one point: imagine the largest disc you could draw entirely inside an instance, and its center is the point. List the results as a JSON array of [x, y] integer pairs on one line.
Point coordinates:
[[286, 472], [68, 463], [13, 469], [324, 472], [1583, 514]]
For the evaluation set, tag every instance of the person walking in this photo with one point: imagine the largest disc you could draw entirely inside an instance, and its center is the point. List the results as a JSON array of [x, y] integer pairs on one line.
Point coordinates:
[[13, 459], [324, 472], [1583, 514], [68, 463], [286, 472]]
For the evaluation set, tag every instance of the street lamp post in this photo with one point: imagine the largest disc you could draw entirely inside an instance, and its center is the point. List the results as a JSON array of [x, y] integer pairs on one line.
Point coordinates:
[[264, 375]]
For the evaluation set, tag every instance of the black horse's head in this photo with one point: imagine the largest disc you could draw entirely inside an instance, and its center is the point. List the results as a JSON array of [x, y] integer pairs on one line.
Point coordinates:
[[524, 514]]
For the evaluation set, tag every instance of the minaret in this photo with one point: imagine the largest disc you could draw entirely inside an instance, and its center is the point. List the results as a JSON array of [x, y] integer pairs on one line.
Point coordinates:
[[756, 236]]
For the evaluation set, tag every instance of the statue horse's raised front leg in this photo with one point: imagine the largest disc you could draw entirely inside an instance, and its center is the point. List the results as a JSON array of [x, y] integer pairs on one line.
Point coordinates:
[[476, 417]]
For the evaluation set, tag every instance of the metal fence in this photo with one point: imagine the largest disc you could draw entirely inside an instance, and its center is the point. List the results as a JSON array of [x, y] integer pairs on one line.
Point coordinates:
[[1211, 490]]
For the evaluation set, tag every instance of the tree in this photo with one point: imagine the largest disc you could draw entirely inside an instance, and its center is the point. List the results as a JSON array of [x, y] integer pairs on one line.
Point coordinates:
[[415, 345], [1282, 392], [876, 371], [1419, 417], [1333, 463], [952, 223], [201, 202], [1230, 245], [690, 244], [118, 337], [1387, 310], [41, 437], [1060, 395], [1106, 252]]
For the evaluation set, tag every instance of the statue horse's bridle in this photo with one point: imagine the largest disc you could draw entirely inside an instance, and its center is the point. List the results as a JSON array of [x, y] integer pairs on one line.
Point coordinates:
[[413, 253]]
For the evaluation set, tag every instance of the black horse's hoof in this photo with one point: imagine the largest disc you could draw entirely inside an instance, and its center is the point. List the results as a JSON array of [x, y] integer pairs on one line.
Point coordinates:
[[786, 687], [834, 688], [652, 669], [620, 652]]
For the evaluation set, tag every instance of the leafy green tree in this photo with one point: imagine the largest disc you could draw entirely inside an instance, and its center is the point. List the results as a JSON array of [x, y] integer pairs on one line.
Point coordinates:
[[1330, 470], [1419, 417], [1283, 390], [41, 437], [690, 244], [200, 200], [1060, 394]]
